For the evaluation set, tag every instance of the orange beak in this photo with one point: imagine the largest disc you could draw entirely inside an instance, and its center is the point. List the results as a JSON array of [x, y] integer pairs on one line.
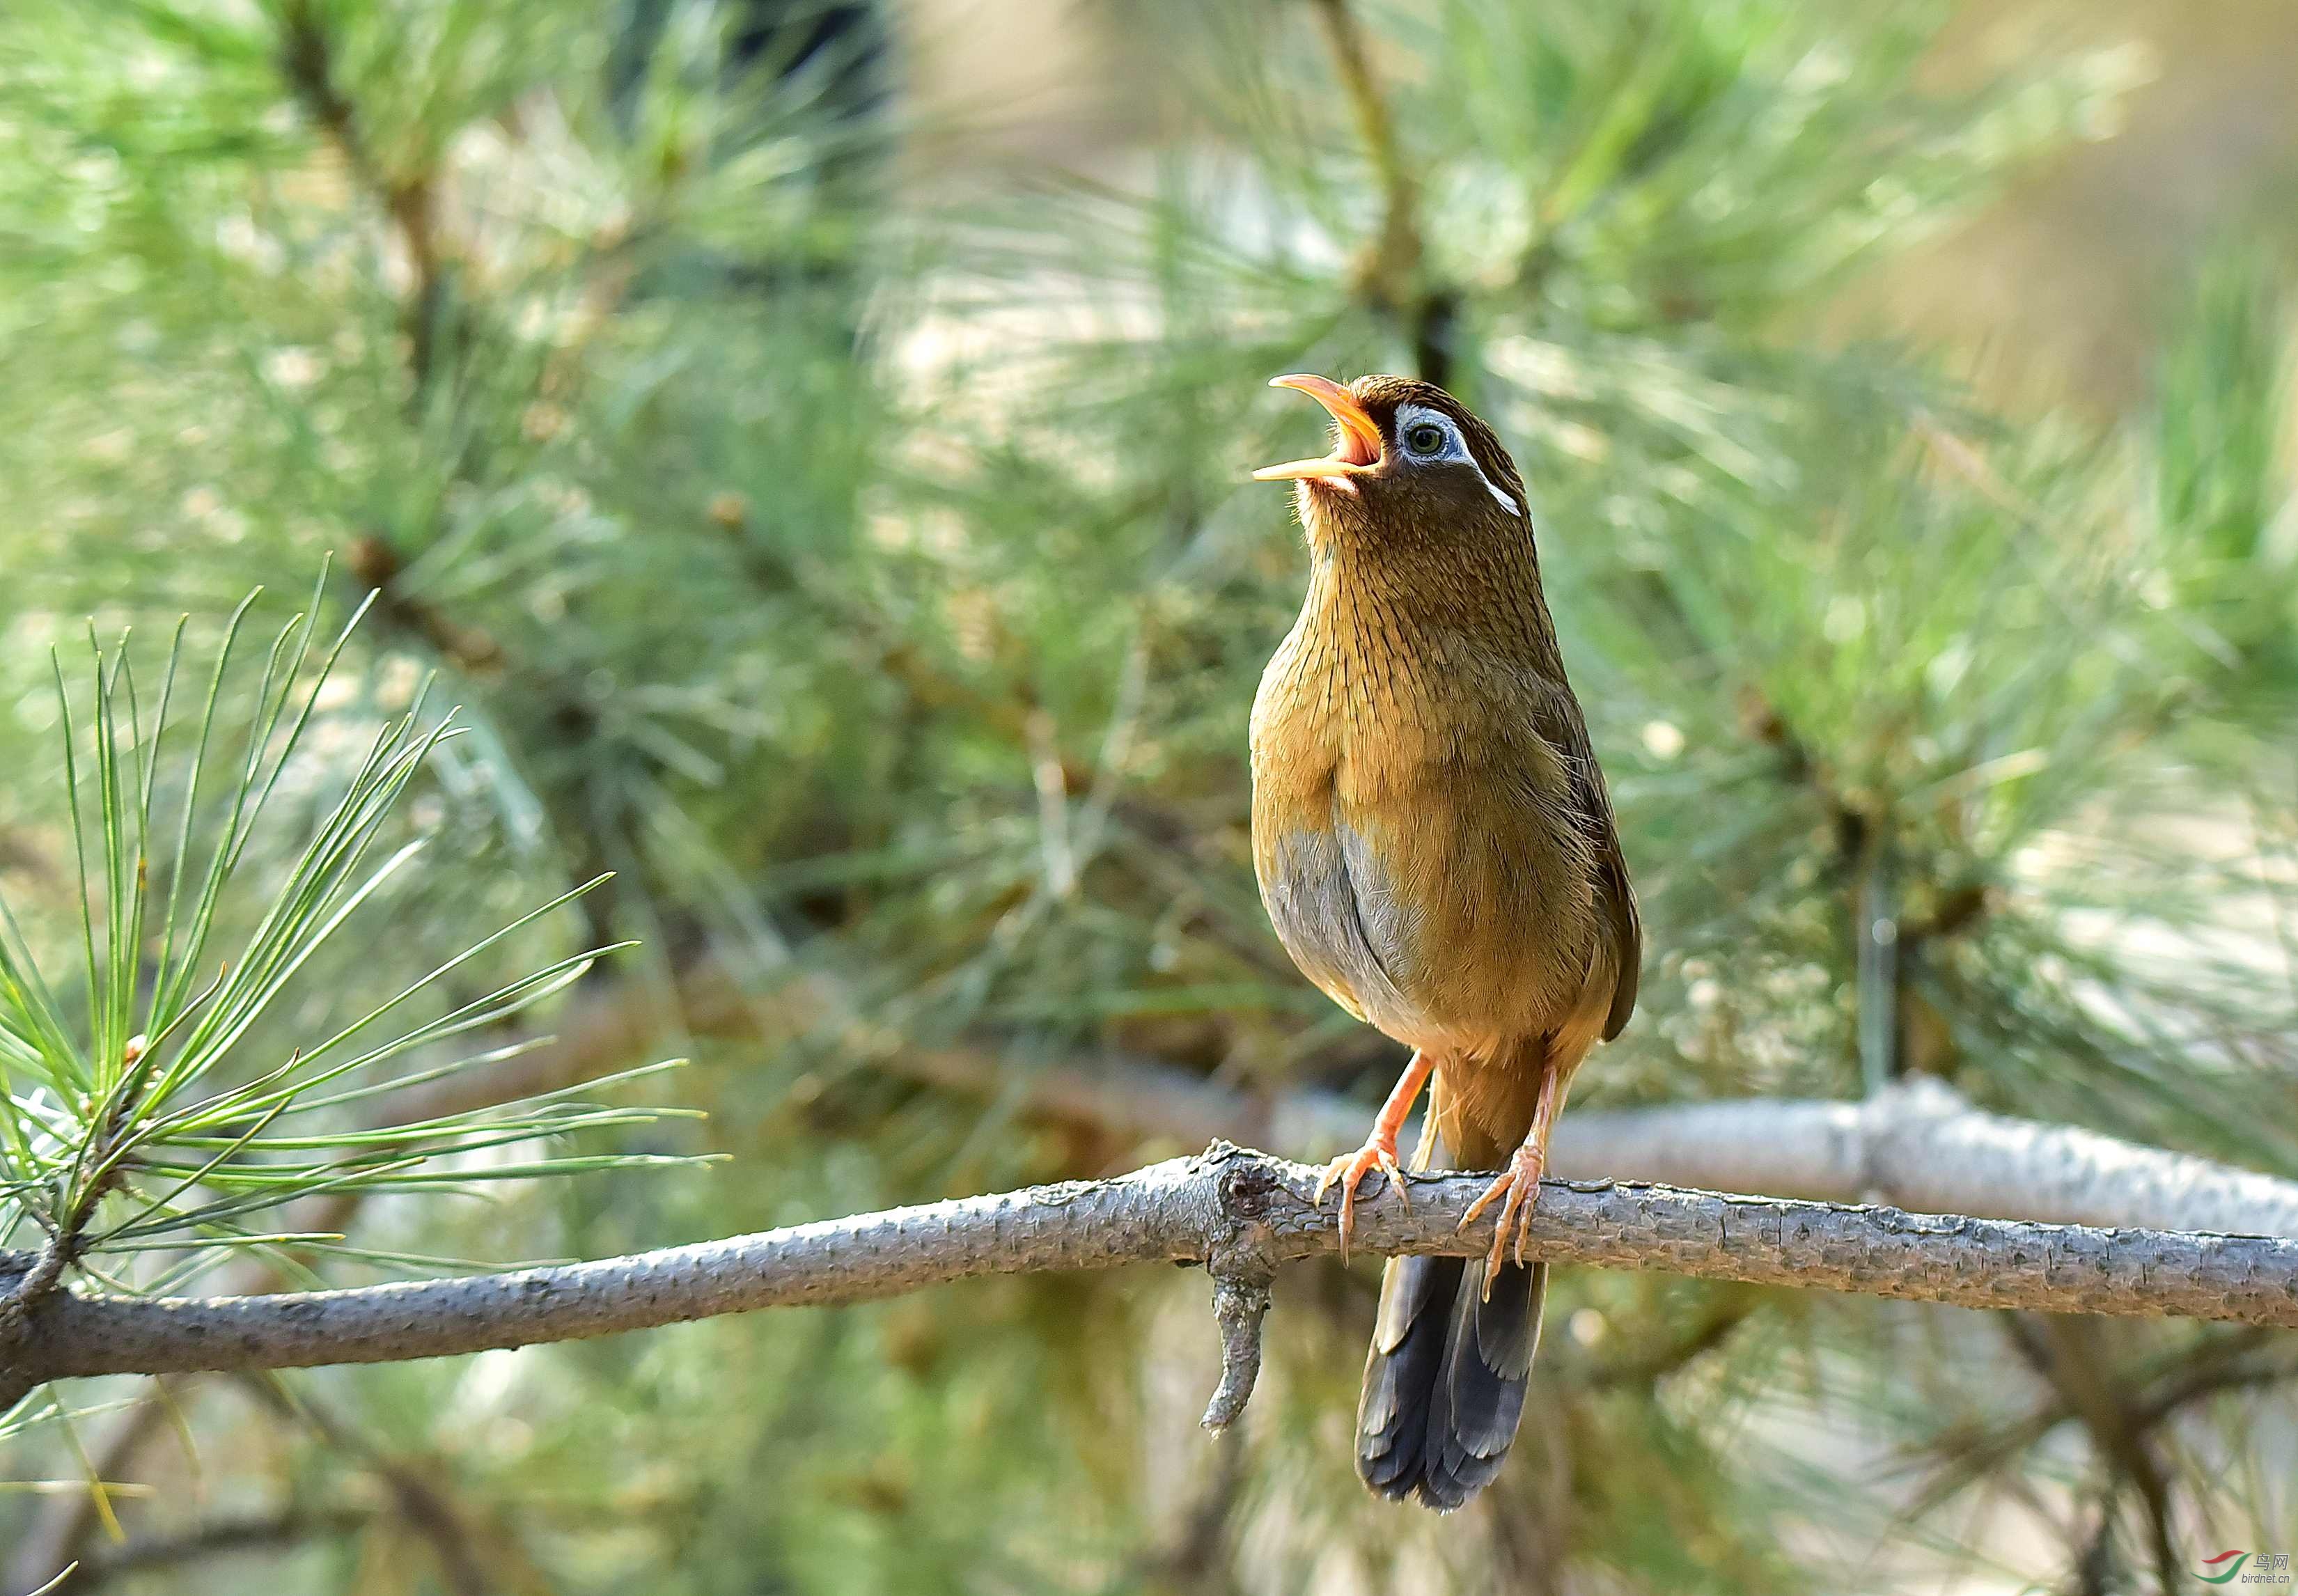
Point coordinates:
[[1356, 449]]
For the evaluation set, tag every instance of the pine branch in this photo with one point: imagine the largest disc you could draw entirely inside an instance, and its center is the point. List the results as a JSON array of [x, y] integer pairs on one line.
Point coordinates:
[[62, 1526], [1917, 1144], [1921, 1144], [1240, 1213]]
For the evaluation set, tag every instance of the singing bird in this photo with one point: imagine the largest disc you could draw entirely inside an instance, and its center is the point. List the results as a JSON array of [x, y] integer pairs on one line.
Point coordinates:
[[1436, 851]]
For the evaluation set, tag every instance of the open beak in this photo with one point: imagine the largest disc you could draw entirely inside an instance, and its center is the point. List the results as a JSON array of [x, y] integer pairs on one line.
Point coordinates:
[[1357, 449]]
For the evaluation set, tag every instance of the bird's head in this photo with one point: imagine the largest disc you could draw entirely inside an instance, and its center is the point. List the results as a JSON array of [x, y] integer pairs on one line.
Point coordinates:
[[1409, 462]]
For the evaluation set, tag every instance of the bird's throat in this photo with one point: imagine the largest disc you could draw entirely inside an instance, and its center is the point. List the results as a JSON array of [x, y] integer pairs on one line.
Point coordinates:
[[1426, 618]]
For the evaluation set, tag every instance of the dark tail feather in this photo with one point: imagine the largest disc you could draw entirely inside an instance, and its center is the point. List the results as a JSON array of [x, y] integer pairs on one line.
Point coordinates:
[[1445, 1383]]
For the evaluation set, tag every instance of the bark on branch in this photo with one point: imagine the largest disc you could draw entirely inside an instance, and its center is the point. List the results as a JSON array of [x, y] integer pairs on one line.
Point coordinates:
[[1241, 1214]]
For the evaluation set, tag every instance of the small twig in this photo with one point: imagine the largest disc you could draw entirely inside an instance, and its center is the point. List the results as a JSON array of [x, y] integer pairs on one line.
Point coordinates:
[[1392, 276], [32, 1286], [373, 563], [59, 1532], [2208, 1376], [66, 1233], [419, 1502], [1239, 1306], [2065, 1353], [34, 1282], [217, 1538], [1400, 249], [307, 61], [1242, 1269]]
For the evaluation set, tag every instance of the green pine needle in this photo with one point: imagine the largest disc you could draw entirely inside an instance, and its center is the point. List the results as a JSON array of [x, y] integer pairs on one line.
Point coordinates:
[[154, 1122]]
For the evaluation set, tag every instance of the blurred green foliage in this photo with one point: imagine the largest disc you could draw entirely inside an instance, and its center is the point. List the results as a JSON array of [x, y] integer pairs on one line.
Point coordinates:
[[853, 557]]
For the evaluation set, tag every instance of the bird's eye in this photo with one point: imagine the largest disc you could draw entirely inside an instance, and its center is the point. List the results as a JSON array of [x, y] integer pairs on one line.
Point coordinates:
[[1424, 437]]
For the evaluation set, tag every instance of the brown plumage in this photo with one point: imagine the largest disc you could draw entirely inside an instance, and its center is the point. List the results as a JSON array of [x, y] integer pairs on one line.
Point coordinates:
[[1436, 849]]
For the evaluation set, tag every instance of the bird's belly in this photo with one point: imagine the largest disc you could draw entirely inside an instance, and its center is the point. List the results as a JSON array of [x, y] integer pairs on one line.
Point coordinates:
[[1340, 918], [1439, 888], [1454, 938]]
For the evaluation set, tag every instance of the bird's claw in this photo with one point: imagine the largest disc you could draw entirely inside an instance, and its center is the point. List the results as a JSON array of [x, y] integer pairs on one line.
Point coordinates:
[[1516, 1188], [1350, 1170]]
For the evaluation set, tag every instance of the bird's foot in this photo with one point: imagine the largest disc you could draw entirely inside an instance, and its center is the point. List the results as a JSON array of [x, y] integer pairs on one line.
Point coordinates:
[[1516, 1188], [1349, 1169]]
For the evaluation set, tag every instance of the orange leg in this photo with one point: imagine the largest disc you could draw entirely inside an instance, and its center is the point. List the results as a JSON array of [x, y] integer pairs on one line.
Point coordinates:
[[1379, 1150], [1518, 1187]]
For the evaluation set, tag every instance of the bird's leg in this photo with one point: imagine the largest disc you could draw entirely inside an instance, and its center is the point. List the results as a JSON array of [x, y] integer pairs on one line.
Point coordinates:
[[1379, 1149], [1518, 1187]]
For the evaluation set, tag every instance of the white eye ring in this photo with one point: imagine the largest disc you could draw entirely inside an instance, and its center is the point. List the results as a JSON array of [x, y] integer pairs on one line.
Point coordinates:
[[1418, 418], [1429, 435]]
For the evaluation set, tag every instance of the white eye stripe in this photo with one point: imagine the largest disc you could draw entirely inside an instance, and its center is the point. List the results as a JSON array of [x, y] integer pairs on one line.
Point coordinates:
[[1455, 450]]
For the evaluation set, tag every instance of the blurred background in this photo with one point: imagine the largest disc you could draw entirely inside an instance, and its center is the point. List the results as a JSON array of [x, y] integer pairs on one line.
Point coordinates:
[[808, 442]]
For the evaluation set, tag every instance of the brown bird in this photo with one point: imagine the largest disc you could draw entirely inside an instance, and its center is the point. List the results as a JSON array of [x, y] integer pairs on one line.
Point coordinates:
[[1436, 849]]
